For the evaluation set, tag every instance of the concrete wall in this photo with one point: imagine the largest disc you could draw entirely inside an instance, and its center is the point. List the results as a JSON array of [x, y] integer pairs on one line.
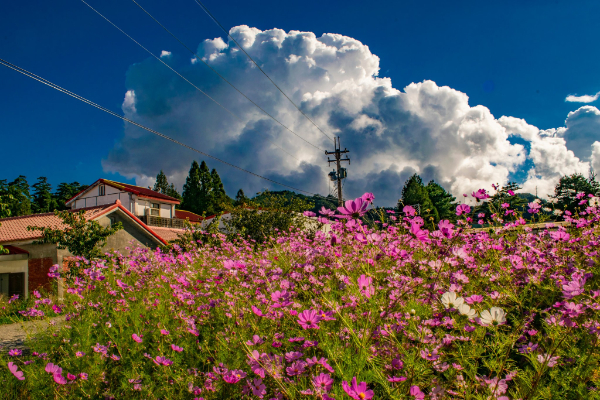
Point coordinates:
[[124, 237], [11, 266]]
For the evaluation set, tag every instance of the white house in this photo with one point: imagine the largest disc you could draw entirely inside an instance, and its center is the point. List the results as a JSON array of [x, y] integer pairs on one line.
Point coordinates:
[[140, 201]]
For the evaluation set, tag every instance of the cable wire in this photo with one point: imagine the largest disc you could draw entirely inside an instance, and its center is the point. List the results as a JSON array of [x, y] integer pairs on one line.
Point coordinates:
[[181, 76], [89, 102], [258, 66], [215, 71]]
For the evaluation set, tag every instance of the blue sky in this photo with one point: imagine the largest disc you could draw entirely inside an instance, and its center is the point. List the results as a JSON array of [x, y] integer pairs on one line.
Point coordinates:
[[519, 60]]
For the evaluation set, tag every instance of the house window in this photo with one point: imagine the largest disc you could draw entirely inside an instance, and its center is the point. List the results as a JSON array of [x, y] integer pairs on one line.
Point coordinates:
[[101, 190], [155, 209]]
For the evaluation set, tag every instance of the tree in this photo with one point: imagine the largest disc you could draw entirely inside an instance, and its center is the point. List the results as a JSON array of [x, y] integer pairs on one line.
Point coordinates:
[[206, 187], [191, 189], [66, 191], [20, 199], [493, 205], [161, 185], [414, 193], [81, 237], [240, 198], [4, 212], [43, 201], [171, 191], [442, 201], [565, 192], [266, 215], [218, 199]]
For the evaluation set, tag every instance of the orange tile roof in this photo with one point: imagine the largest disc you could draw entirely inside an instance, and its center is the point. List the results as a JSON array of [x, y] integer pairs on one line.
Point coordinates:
[[183, 214], [168, 234], [15, 228]]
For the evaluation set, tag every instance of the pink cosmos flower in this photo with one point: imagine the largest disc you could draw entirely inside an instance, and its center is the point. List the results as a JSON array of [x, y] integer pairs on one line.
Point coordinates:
[[323, 383], [309, 214], [365, 286], [415, 391], [368, 197], [258, 389], [136, 338], [164, 332], [357, 391], [71, 377], [421, 234], [430, 355], [309, 319], [53, 369], [463, 209], [61, 380], [395, 379], [162, 361], [15, 371], [79, 354], [177, 348], [353, 209], [481, 194], [257, 311], [15, 352], [476, 298], [326, 212], [83, 376], [234, 376], [550, 361], [408, 211]]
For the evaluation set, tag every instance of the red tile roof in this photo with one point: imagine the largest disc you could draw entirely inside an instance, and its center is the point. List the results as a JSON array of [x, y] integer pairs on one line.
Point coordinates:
[[182, 214], [168, 234], [137, 190], [15, 228]]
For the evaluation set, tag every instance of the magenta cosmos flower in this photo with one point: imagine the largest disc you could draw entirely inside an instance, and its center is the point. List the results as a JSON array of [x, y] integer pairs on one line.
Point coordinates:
[[353, 209], [309, 319], [323, 383], [462, 209], [357, 391], [15, 371], [136, 338]]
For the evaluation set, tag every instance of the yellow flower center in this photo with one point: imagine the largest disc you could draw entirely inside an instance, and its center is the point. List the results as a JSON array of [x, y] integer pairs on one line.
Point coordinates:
[[528, 348], [362, 395], [429, 355]]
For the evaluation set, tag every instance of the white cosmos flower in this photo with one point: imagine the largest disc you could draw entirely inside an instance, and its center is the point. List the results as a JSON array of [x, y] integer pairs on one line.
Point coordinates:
[[464, 309], [495, 316], [449, 299]]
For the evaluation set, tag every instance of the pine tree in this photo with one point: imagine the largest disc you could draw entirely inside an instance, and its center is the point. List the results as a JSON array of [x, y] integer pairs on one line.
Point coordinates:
[[161, 185], [191, 189], [567, 188], [204, 199], [171, 191], [66, 191], [218, 197], [414, 193], [43, 201], [240, 198], [20, 202], [442, 201]]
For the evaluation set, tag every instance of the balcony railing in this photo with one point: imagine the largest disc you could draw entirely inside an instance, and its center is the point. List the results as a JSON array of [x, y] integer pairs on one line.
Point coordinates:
[[152, 220]]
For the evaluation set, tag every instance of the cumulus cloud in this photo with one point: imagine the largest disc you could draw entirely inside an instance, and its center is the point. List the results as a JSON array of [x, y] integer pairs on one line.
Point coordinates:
[[425, 128], [165, 53], [586, 98]]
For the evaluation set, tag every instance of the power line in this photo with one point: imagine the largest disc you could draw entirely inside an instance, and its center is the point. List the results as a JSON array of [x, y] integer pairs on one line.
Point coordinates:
[[258, 66], [84, 100], [212, 69], [181, 76]]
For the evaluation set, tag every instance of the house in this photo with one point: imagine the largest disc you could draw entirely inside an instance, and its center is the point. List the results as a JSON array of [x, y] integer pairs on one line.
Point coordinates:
[[149, 220]]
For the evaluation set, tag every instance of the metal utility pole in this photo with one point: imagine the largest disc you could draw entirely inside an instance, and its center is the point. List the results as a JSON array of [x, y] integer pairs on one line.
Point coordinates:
[[340, 171]]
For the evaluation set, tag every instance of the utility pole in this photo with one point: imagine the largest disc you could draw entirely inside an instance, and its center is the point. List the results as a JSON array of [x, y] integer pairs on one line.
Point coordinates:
[[338, 160]]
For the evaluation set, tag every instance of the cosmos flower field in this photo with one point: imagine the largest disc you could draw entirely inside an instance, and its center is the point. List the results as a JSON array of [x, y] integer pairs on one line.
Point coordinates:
[[393, 311]]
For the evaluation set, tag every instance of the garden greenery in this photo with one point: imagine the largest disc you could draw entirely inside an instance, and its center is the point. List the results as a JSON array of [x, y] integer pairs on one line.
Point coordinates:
[[388, 312]]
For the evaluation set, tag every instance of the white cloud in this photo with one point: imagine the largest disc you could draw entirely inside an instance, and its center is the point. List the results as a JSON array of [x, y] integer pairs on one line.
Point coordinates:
[[165, 53], [424, 128], [586, 98]]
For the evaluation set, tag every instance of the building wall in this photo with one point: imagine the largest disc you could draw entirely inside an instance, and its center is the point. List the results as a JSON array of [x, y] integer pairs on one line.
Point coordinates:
[[92, 197], [130, 236], [38, 274], [165, 211], [11, 267]]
